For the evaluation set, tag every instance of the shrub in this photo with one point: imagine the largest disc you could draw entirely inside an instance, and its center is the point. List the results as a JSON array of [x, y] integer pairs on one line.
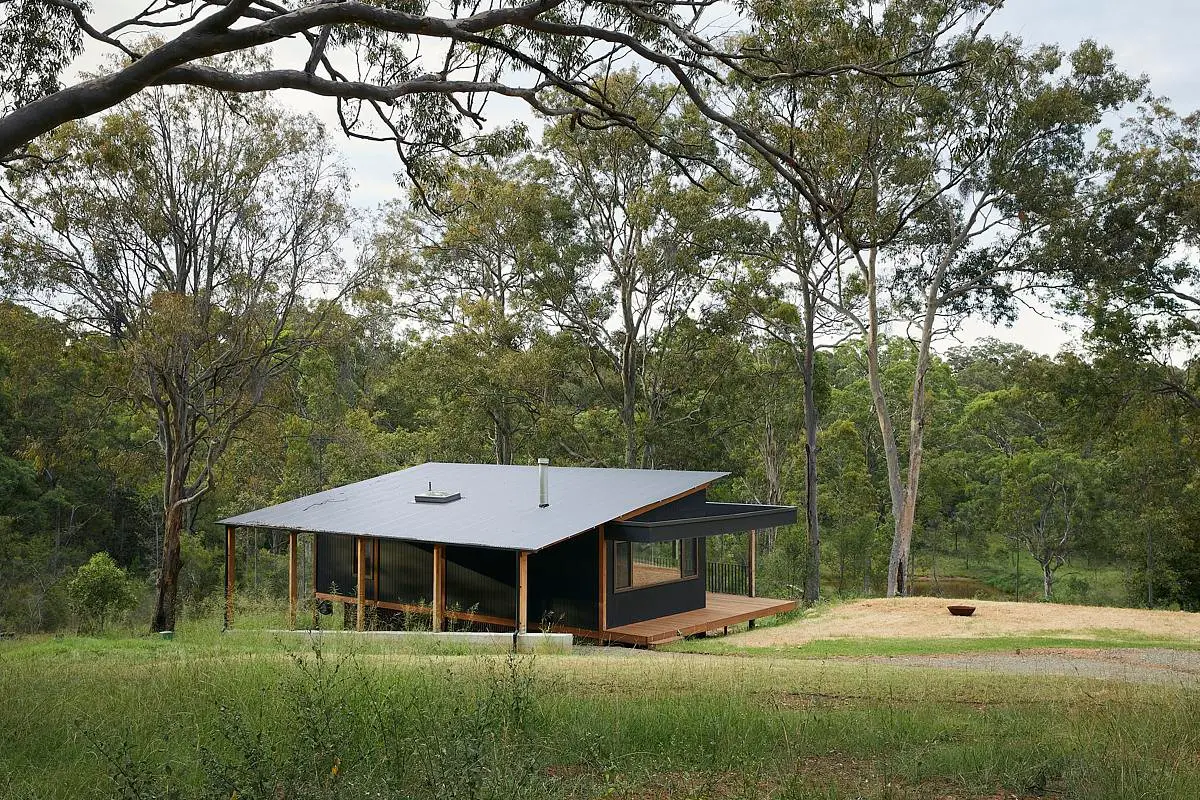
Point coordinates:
[[100, 590]]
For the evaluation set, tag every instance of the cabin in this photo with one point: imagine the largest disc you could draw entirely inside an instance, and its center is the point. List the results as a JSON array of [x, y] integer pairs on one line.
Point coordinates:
[[613, 555]]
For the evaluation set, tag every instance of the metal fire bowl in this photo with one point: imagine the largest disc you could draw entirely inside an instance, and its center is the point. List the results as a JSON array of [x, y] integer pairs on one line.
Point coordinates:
[[961, 611]]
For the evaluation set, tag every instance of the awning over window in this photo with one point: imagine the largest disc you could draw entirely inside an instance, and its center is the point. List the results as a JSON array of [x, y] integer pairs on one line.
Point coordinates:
[[719, 518]]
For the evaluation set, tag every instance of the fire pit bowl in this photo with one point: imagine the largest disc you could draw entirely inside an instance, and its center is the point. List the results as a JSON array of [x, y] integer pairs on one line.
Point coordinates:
[[961, 611]]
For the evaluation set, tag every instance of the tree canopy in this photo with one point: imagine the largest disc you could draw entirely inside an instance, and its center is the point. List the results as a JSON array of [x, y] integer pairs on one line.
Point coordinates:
[[743, 246]]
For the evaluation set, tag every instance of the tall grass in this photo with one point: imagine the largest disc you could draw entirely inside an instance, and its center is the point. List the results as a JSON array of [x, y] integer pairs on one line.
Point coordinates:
[[209, 715]]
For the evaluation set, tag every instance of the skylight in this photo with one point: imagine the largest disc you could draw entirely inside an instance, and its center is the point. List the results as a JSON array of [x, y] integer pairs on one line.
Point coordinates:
[[432, 495]]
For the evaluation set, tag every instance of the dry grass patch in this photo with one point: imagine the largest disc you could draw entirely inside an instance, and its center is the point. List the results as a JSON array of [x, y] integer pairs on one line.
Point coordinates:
[[927, 618]]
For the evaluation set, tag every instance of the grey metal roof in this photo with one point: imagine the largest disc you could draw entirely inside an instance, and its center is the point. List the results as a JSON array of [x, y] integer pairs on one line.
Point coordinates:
[[499, 505]]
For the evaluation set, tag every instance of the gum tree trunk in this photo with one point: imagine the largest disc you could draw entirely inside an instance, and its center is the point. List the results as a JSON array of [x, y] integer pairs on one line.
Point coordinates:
[[891, 451], [167, 586], [812, 582]]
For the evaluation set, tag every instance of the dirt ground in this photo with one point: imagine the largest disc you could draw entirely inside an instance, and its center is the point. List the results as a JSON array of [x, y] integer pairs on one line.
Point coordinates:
[[927, 618]]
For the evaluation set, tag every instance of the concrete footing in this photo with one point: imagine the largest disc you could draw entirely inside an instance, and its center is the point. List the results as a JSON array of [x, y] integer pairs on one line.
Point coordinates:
[[526, 642]]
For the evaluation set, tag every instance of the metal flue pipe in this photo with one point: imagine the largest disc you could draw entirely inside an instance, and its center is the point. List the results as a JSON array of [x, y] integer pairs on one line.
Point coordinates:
[[543, 482]]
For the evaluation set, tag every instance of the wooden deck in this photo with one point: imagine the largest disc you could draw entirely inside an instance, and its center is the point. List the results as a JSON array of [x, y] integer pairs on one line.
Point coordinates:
[[720, 611]]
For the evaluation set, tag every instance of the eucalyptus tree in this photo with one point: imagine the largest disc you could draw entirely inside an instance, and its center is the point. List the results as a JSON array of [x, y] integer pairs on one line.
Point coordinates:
[[465, 255], [1130, 265], [828, 133], [1155, 493], [653, 237], [933, 191], [836, 136], [1049, 497], [780, 293], [195, 234], [1006, 146]]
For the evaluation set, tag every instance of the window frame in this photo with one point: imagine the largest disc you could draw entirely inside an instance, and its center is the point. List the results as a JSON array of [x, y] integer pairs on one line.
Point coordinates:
[[630, 586]]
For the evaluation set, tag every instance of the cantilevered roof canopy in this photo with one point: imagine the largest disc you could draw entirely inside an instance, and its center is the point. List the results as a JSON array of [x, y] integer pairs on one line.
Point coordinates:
[[714, 520], [499, 505]]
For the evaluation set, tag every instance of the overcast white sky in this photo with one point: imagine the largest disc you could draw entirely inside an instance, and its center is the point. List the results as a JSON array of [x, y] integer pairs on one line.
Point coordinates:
[[1151, 37], [1156, 38]]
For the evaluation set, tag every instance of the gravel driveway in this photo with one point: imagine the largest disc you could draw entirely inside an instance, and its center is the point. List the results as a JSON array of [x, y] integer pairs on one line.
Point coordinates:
[[1154, 665]]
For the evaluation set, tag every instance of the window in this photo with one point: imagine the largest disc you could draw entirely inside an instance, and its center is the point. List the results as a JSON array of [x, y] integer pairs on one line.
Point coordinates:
[[639, 564], [621, 574]]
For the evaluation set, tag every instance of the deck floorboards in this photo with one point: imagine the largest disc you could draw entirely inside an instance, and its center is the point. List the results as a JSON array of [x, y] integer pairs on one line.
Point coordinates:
[[720, 611]]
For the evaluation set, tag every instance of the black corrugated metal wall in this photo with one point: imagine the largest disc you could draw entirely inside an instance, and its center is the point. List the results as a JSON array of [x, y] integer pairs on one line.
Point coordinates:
[[335, 564], [481, 580], [564, 584], [405, 572]]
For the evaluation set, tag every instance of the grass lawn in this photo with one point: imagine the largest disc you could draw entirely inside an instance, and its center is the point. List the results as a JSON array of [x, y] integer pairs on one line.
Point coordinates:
[[849, 647], [208, 715]]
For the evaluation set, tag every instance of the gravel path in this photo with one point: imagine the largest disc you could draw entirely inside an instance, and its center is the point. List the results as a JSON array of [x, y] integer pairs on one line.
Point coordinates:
[[1153, 665]]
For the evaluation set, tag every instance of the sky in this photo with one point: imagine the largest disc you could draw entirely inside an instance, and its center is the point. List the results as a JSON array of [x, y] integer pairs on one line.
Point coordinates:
[[1155, 38]]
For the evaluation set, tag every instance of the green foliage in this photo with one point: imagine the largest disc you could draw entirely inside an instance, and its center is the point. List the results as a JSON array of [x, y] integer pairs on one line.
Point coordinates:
[[61, 452], [100, 591], [1127, 264], [37, 42]]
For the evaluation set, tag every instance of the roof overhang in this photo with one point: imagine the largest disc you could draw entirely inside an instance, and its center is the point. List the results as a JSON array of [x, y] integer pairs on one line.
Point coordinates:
[[719, 518]]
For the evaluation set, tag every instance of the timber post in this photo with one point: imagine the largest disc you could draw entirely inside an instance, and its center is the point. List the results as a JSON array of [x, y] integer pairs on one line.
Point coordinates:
[[230, 573], [602, 619], [360, 547], [439, 586], [316, 607], [751, 567], [522, 591], [375, 553], [293, 579]]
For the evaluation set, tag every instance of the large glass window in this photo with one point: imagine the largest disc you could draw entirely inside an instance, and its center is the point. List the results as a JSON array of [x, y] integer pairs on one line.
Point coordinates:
[[640, 564]]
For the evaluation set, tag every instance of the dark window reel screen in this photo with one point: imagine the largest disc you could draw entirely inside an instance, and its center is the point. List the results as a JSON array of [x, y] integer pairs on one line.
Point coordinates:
[[368, 562], [638, 564], [687, 558]]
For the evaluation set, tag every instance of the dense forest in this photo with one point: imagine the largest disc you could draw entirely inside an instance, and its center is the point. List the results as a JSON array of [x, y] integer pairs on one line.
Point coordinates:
[[197, 320]]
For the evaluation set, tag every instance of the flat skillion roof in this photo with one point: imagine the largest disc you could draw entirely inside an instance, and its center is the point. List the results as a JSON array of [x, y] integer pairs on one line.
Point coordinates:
[[499, 505]]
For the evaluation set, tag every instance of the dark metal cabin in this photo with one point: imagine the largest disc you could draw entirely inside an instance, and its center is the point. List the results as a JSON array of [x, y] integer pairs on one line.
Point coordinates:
[[609, 554]]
